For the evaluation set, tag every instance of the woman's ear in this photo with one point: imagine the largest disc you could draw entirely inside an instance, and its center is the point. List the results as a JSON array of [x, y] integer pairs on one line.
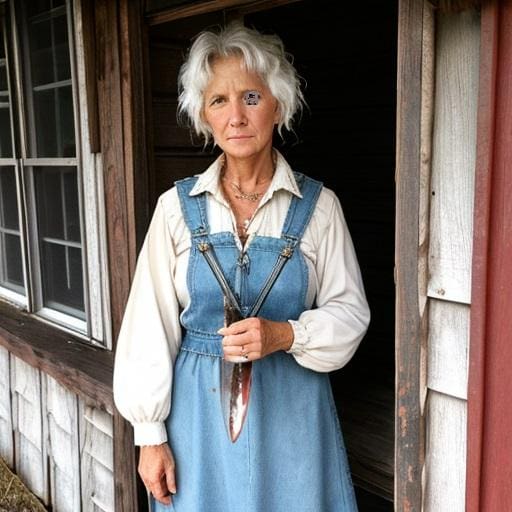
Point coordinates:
[[277, 113]]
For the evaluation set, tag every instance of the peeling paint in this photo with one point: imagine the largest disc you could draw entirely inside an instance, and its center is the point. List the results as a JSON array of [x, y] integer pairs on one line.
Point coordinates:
[[402, 414]]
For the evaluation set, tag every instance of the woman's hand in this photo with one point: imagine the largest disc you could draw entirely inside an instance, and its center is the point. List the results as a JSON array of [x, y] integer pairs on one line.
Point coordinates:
[[255, 338], [156, 468]]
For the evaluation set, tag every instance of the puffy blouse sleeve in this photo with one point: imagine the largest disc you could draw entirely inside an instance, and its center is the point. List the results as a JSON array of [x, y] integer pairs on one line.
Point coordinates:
[[149, 336], [326, 337]]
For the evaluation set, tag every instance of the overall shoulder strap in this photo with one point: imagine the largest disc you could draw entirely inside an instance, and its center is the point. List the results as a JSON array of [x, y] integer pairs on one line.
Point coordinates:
[[193, 207], [297, 218], [301, 209], [194, 214]]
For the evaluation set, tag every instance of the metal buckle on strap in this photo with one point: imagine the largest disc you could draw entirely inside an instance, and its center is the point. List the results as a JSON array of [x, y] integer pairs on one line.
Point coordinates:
[[287, 252]]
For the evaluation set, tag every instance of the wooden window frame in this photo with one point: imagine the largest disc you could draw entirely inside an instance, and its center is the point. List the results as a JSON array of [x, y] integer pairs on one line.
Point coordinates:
[[94, 328], [79, 362]]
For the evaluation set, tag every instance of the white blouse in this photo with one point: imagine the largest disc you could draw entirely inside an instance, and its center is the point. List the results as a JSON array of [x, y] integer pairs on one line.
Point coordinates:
[[326, 335]]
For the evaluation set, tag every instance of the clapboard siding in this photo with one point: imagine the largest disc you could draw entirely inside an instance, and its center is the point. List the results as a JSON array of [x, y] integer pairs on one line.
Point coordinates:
[[454, 152], [29, 428], [63, 448], [97, 463], [448, 340], [450, 257], [446, 454], [6, 431]]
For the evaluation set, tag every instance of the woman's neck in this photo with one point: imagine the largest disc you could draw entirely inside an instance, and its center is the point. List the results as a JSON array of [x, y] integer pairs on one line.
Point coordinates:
[[249, 172]]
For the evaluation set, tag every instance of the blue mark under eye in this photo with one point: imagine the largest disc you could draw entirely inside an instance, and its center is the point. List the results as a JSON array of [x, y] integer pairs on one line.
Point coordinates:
[[252, 97]]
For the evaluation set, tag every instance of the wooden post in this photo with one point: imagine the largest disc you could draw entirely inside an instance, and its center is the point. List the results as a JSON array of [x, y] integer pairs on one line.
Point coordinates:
[[409, 428], [122, 134]]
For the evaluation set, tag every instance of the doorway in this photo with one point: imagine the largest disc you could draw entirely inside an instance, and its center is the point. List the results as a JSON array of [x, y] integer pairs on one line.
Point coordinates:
[[346, 53]]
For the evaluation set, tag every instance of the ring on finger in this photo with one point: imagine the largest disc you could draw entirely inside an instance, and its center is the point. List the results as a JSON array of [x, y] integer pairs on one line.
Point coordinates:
[[242, 350]]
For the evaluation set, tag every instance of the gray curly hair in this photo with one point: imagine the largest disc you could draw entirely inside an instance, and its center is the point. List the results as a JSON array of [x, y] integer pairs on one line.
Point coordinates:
[[261, 53]]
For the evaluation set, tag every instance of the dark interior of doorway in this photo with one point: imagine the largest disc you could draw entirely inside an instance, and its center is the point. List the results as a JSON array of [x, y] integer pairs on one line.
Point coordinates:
[[346, 53]]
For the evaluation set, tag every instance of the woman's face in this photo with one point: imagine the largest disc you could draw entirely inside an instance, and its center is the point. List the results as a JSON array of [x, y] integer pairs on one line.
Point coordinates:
[[240, 109]]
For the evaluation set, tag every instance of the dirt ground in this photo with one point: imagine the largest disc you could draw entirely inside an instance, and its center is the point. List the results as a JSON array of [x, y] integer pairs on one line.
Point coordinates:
[[14, 495]]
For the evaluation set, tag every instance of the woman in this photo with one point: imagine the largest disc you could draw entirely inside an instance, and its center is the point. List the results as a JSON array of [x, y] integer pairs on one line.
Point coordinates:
[[248, 206]]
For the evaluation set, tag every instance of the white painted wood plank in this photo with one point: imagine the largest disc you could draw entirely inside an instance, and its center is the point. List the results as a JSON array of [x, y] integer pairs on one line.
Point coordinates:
[[454, 153], [29, 428], [97, 459], [62, 414], [6, 430], [445, 463], [448, 342], [94, 212]]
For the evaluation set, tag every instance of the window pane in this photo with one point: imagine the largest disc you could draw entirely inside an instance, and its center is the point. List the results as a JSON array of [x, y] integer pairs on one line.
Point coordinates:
[[9, 199], [54, 107], [11, 262], [5, 129], [13, 269], [62, 278], [48, 80], [60, 242], [5, 107], [71, 207], [49, 50]]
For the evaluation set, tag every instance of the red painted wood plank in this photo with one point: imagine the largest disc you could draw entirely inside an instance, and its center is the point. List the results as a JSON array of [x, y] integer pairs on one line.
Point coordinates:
[[485, 137], [489, 464]]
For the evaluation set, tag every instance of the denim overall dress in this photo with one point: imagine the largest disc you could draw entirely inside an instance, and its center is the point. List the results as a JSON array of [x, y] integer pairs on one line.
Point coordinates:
[[290, 456]]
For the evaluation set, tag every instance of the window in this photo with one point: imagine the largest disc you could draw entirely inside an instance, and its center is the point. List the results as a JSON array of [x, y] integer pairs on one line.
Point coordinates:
[[43, 257]]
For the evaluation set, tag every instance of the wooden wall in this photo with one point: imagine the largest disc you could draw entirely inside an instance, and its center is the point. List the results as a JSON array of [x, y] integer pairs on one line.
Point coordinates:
[[450, 257], [58, 445]]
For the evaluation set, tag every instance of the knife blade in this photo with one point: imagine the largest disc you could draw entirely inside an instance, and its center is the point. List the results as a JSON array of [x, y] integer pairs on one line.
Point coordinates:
[[235, 383]]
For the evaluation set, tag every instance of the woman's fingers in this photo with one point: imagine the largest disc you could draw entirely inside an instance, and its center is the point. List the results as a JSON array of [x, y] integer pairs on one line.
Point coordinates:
[[256, 338], [160, 491], [242, 340], [170, 478], [241, 354], [241, 326], [157, 470], [241, 350]]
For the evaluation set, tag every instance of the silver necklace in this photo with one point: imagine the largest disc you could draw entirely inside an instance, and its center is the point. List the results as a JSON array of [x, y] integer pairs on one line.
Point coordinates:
[[249, 196]]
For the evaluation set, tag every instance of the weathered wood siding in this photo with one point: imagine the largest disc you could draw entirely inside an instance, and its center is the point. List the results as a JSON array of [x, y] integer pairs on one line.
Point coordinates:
[[449, 257], [6, 430], [59, 445], [62, 416], [97, 459], [29, 427]]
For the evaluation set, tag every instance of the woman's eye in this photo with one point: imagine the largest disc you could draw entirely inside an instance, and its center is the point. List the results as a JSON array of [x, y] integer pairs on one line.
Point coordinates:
[[216, 101]]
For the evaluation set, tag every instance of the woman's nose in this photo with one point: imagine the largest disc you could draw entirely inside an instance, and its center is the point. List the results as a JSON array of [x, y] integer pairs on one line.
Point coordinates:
[[237, 114]]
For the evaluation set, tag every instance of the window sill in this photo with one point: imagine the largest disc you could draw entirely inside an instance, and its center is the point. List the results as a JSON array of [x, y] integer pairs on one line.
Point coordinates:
[[83, 369]]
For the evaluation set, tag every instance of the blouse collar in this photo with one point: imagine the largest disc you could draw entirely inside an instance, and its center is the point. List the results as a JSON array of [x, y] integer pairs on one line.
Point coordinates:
[[283, 179]]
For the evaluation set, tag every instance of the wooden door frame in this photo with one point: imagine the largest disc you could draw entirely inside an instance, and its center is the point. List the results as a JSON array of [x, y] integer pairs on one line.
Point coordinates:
[[489, 467], [414, 87], [410, 317]]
